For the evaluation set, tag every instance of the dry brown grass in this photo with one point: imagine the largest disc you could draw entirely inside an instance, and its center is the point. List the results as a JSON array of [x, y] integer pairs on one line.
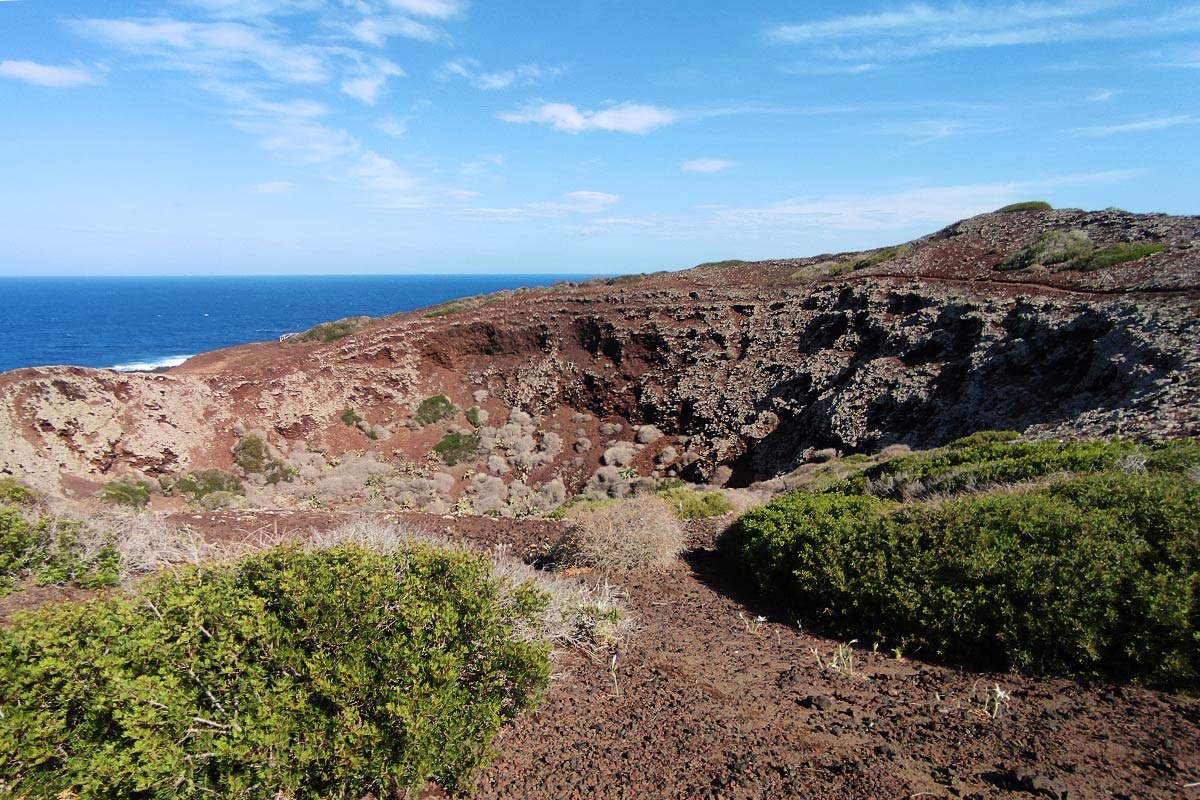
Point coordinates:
[[637, 533]]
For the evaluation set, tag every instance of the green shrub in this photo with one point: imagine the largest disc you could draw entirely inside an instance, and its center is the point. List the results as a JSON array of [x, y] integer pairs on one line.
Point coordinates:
[[985, 437], [54, 551], [434, 409], [729, 262], [966, 466], [473, 417], [878, 257], [1051, 248], [1096, 575], [134, 494], [456, 447], [1028, 205], [578, 504], [15, 493], [252, 454], [351, 417], [1116, 254], [198, 483], [338, 673], [692, 504], [331, 331]]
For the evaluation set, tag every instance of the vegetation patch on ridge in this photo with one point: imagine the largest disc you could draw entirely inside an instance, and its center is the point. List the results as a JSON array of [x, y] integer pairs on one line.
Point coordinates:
[[332, 331], [1080, 558], [1027, 205]]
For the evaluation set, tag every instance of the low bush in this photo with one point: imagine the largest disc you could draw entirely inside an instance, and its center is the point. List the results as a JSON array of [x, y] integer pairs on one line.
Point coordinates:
[[970, 464], [351, 418], [55, 551], [133, 494], [433, 409], [878, 257], [729, 262], [1050, 248], [201, 482], [1027, 205], [456, 447], [12, 492], [334, 673], [1116, 254], [1093, 575], [254, 456], [632, 534], [688, 503], [332, 331]]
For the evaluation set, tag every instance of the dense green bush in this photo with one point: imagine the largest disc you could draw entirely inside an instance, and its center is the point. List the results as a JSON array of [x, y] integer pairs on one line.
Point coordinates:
[[969, 464], [1028, 205], [333, 674], [1091, 575], [332, 331], [201, 482], [434, 409], [54, 551], [456, 447], [351, 417], [1116, 254], [134, 494], [253, 455], [13, 492], [879, 256], [1050, 248], [688, 503]]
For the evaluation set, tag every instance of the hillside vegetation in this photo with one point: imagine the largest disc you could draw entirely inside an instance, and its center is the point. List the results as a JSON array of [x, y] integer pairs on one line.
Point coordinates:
[[1079, 558]]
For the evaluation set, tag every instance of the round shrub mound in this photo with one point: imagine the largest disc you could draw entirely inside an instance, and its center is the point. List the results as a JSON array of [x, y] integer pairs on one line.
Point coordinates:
[[336, 673], [637, 533], [1095, 575]]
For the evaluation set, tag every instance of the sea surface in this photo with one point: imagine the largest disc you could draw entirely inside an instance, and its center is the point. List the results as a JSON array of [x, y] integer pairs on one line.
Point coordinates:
[[144, 323]]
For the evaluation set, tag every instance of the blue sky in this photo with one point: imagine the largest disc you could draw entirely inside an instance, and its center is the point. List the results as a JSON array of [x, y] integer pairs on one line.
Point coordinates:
[[355, 136]]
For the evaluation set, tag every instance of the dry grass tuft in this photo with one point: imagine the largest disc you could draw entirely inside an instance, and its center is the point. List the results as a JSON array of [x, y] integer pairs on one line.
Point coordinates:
[[637, 533]]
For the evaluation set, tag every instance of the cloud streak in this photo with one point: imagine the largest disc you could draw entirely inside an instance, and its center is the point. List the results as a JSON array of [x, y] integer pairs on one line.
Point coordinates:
[[46, 75], [522, 75], [706, 165], [625, 118], [1141, 126]]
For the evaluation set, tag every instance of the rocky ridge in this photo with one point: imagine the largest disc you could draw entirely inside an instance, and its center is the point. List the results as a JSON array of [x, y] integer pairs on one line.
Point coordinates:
[[736, 373]]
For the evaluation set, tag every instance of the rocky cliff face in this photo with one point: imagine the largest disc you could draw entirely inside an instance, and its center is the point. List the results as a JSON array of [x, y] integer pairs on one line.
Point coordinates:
[[742, 369]]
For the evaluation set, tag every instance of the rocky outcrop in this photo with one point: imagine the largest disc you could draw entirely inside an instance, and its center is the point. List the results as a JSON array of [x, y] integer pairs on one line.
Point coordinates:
[[747, 367]]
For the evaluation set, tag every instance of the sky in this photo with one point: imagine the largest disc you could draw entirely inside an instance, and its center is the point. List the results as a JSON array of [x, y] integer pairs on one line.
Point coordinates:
[[592, 136]]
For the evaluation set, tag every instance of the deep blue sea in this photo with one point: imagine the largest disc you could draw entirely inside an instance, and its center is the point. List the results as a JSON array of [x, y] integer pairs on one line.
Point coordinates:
[[141, 323]]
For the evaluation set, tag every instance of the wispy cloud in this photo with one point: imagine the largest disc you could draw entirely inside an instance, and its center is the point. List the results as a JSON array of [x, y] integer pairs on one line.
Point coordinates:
[[706, 165], [922, 29], [483, 164], [1141, 126], [393, 126], [272, 187], [522, 75], [46, 74], [572, 203], [370, 81], [928, 206], [625, 118]]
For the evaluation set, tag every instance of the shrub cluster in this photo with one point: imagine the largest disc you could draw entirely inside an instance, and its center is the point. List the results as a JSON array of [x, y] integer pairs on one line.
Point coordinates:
[[13, 492], [54, 551], [332, 331], [1027, 205], [212, 488], [133, 494], [1074, 250], [1116, 254], [433, 409], [254, 456], [879, 256], [1093, 574], [336, 673], [456, 446], [688, 503]]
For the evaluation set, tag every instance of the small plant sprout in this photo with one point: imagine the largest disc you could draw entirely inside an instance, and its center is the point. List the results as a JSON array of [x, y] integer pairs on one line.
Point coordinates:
[[751, 625], [842, 661], [995, 700], [612, 670]]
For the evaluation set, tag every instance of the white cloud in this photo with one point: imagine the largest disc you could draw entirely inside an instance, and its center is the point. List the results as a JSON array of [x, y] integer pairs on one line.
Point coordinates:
[[522, 75], [569, 204], [393, 126], [367, 86], [626, 118], [272, 187], [706, 165], [1159, 124], [1102, 95], [300, 140], [377, 30], [46, 74], [921, 29], [435, 9], [620, 221], [929, 206], [194, 45]]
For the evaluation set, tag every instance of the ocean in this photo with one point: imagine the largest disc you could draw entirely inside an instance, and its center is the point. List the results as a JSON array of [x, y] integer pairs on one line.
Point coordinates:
[[145, 323]]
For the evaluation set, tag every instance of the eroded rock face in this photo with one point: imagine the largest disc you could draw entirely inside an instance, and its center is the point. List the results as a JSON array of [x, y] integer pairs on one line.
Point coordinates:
[[744, 367]]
